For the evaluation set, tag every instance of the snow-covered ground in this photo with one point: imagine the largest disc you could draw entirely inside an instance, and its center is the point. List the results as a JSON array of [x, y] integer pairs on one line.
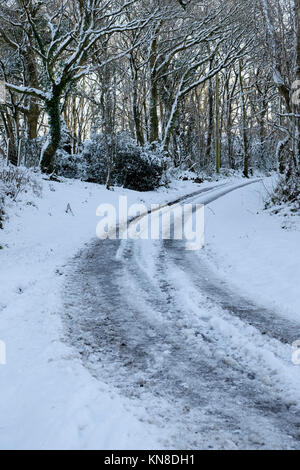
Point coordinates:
[[48, 399], [255, 252]]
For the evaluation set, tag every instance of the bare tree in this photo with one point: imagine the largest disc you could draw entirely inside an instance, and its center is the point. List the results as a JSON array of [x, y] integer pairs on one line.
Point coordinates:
[[65, 36]]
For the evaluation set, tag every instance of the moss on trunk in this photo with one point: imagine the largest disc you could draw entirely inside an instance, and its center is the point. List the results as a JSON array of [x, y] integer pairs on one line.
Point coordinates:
[[54, 139]]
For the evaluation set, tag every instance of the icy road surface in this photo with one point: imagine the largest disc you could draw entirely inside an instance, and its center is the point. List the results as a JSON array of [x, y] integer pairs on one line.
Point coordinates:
[[211, 368]]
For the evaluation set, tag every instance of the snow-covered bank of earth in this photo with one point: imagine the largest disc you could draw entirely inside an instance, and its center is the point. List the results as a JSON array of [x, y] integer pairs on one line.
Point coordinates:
[[47, 398], [256, 253]]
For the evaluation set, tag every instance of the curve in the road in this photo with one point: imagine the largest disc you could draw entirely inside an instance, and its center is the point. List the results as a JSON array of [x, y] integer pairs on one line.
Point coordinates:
[[133, 333]]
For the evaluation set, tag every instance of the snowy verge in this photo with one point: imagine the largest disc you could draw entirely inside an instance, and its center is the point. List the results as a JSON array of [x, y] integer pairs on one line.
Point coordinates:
[[255, 251]]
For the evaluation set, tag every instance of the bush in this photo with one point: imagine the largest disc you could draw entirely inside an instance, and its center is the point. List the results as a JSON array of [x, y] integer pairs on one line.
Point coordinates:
[[287, 191], [14, 181], [121, 160], [69, 166], [117, 159]]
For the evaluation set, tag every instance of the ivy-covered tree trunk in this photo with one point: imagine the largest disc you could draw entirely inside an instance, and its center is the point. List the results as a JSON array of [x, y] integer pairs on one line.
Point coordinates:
[[54, 137]]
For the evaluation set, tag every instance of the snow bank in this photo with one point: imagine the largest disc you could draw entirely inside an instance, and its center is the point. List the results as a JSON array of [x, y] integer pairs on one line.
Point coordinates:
[[256, 252]]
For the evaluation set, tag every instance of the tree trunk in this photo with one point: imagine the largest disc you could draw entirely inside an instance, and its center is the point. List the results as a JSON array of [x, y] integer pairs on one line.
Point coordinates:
[[297, 104], [153, 101], [293, 169], [135, 107], [12, 147], [210, 127], [230, 90], [171, 126], [33, 114], [33, 120], [244, 124], [229, 126], [54, 137], [218, 126], [153, 121], [262, 134], [229, 136]]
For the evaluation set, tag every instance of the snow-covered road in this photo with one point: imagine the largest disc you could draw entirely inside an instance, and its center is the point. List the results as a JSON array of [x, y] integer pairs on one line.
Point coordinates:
[[157, 323]]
